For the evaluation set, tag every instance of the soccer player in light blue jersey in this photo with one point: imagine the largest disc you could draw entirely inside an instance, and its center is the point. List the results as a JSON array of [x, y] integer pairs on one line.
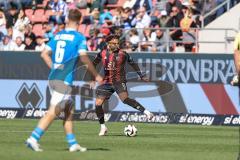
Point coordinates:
[[65, 48]]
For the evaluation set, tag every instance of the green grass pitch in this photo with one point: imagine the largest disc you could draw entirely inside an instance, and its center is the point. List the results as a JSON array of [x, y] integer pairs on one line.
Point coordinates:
[[153, 142]]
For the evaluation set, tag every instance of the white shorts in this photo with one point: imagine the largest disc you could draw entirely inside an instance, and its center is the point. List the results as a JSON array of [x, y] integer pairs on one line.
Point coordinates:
[[61, 93]]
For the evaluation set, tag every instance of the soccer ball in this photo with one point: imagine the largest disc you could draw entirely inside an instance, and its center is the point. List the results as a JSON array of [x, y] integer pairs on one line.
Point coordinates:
[[130, 130]]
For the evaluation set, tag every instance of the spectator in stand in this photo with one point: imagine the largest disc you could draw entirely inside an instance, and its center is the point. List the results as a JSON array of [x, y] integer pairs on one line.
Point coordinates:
[[11, 16], [105, 31], [100, 4], [163, 18], [148, 40], [117, 17], [208, 6], [19, 46], [147, 4], [71, 4], [7, 4], [134, 39], [142, 19], [173, 3], [81, 4], [29, 32], [91, 16], [128, 47], [6, 44], [59, 11], [3, 29], [92, 42], [127, 18], [129, 4], [40, 44], [30, 3], [20, 25], [174, 22], [105, 15], [196, 6], [188, 27], [10, 32], [58, 28], [160, 41], [29, 43], [49, 30]]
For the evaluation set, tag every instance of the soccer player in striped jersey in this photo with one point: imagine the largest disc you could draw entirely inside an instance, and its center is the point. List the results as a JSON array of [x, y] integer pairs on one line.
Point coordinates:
[[113, 60], [66, 48]]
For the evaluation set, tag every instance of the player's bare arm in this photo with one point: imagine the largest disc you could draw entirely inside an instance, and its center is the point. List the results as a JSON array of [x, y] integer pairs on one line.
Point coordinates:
[[237, 60], [46, 57], [236, 55]]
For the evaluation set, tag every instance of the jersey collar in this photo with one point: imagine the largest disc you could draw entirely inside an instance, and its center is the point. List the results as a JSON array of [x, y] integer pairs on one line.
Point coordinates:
[[70, 29]]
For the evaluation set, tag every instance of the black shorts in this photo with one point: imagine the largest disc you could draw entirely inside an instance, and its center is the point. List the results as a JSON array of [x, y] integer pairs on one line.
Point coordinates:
[[106, 90]]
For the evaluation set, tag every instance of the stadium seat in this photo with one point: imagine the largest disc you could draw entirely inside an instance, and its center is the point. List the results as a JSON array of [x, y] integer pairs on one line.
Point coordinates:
[[118, 4], [45, 2], [48, 13], [39, 16], [38, 30], [82, 28], [29, 13]]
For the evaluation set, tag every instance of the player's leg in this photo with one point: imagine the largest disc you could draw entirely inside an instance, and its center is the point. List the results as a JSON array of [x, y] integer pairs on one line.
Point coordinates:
[[57, 104], [122, 92], [100, 114], [68, 128], [44, 123], [103, 93]]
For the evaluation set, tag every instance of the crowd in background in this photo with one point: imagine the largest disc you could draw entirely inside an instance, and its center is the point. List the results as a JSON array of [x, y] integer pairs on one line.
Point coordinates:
[[142, 24]]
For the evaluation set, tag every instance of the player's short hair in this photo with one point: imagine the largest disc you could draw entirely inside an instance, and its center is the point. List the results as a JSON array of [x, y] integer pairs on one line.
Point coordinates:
[[74, 15], [112, 36]]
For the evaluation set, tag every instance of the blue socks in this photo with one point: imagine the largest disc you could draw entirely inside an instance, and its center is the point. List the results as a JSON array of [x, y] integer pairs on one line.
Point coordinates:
[[37, 133], [71, 139]]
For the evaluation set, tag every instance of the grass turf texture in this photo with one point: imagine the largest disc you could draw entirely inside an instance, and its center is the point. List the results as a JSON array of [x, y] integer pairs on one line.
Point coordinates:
[[154, 142]]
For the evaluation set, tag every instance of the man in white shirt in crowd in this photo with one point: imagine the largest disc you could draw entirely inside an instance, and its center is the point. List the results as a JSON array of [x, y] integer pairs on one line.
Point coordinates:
[[142, 20], [19, 46], [6, 44], [40, 44]]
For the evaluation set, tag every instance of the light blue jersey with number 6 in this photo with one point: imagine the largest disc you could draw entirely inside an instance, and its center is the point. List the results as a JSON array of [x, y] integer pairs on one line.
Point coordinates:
[[66, 47]]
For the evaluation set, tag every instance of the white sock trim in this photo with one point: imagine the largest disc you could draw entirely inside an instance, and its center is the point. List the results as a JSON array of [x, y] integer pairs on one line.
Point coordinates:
[[103, 126]]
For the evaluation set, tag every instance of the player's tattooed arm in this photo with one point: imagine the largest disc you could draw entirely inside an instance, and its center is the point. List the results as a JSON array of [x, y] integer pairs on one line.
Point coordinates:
[[134, 65], [97, 59], [46, 57]]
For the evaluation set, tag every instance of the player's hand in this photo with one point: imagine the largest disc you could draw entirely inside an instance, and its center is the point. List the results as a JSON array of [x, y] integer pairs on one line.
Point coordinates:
[[92, 84], [235, 81], [99, 79], [145, 79]]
